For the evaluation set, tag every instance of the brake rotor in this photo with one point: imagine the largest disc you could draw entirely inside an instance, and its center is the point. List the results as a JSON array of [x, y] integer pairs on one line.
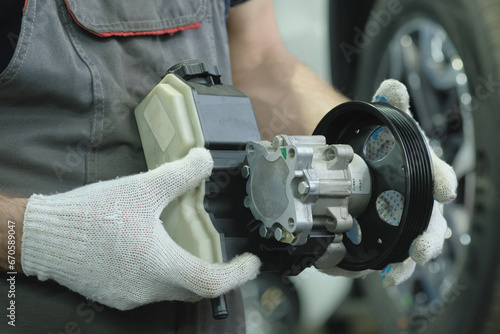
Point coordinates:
[[398, 157]]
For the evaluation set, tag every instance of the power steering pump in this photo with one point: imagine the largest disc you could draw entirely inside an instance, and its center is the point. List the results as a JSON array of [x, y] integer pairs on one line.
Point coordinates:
[[300, 184], [360, 186]]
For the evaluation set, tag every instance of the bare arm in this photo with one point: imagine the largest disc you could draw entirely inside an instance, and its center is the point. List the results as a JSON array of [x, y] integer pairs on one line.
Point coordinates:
[[287, 96], [11, 231]]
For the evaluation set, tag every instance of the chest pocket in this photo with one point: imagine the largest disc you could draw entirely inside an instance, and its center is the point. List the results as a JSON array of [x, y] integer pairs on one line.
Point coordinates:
[[137, 17]]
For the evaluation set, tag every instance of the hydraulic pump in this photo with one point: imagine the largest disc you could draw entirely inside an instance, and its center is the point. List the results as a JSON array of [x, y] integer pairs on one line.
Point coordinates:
[[361, 184]]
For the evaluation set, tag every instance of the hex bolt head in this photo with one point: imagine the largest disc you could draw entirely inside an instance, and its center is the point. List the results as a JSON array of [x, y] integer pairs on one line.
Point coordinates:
[[279, 234], [245, 171], [303, 188], [278, 141], [264, 232]]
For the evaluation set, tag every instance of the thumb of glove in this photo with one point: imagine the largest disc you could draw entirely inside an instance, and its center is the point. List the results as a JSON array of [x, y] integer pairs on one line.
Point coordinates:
[[173, 179]]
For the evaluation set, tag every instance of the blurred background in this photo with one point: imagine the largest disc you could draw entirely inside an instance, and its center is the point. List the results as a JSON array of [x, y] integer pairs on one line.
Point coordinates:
[[448, 54]]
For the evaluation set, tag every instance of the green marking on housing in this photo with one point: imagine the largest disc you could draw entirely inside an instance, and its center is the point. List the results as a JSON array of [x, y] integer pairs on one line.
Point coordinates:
[[283, 152]]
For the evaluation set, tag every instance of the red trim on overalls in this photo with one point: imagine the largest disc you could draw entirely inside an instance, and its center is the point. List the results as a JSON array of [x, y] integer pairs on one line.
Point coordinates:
[[170, 31], [25, 4]]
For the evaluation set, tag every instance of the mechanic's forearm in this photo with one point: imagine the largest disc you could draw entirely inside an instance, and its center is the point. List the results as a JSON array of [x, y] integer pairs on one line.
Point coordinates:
[[287, 96], [11, 231]]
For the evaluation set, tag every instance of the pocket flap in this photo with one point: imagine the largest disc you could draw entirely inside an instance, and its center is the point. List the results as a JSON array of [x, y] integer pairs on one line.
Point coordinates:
[[137, 17]]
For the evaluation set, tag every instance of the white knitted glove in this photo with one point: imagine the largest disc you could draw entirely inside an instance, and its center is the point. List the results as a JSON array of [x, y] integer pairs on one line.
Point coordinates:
[[106, 241], [429, 244]]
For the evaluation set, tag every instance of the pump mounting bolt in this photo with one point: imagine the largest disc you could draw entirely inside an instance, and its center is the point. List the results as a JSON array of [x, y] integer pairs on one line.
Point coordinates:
[[278, 141], [264, 232], [303, 188], [279, 234], [245, 171]]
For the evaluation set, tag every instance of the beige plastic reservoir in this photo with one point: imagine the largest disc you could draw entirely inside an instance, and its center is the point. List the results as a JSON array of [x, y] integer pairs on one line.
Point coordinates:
[[169, 127]]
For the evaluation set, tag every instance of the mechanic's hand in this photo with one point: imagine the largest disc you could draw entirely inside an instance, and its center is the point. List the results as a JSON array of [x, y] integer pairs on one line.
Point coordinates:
[[429, 244], [106, 241]]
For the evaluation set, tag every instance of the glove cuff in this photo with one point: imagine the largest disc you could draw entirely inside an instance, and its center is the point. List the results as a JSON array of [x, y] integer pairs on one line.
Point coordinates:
[[52, 247]]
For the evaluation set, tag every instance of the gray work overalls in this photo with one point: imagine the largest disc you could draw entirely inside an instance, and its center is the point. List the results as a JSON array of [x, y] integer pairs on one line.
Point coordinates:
[[66, 119]]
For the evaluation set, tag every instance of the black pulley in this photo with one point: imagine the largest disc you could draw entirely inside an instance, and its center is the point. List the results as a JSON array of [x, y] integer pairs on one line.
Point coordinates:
[[398, 157]]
